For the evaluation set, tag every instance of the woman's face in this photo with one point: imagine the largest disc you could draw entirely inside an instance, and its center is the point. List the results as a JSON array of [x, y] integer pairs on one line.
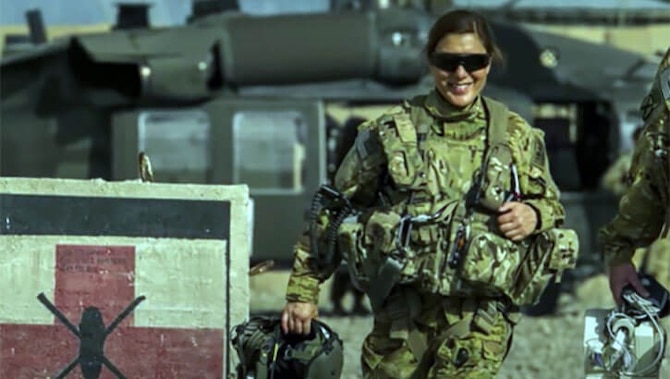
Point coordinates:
[[460, 65]]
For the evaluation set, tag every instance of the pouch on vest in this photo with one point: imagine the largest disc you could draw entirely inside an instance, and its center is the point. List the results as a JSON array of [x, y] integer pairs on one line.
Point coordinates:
[[349, 238], [399, 140], [490, 263], [366, 241], [548, 256], [496, 177]]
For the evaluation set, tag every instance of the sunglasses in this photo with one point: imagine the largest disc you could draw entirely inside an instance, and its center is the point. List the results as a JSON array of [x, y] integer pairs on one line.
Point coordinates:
[[450, 62]]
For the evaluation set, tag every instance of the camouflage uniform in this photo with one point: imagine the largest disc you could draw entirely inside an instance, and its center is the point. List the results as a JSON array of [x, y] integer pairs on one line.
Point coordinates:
[[643, 208], [341, 284], [409, 338], [617, 178]]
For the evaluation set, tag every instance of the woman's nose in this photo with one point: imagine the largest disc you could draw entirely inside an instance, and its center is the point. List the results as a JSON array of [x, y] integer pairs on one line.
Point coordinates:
[[460, 71]]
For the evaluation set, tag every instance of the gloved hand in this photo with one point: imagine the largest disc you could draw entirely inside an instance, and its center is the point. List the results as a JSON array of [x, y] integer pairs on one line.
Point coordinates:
[[297, 317]]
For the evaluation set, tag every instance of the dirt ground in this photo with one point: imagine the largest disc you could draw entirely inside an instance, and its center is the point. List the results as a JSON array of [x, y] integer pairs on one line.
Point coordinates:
[[543, 348]]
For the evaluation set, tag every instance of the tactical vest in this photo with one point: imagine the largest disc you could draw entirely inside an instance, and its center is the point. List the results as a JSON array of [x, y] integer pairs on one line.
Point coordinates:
[[454, 250]]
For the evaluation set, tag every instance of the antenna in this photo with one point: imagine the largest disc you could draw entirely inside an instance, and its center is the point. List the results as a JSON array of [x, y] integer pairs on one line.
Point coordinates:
[[132, 16], [38, 34]]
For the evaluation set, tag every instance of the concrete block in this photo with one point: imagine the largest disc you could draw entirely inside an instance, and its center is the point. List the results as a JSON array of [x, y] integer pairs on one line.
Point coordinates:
[[150, 275]]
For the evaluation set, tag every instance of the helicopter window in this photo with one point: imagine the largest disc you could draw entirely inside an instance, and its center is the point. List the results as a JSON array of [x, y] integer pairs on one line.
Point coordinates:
[[560, 133], [161, 133], [577, 137], [269, 151], [558, 121]]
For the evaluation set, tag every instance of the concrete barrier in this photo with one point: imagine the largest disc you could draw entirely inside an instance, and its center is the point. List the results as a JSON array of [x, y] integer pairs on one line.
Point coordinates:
[[139, 280]]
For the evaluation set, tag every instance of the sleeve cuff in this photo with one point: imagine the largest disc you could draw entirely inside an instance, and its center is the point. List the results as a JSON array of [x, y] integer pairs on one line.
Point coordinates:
[[302, 289], [539, 223], [618, 258]]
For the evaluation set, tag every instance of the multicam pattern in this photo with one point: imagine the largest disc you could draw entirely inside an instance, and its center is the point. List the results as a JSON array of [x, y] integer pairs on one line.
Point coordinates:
[[454, 152], [617, 178], [644, 207], [476, 354], [492, 261], [440, 180]]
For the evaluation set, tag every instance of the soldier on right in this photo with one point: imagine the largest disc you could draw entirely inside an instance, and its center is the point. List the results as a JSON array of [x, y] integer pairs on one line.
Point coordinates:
[[645, 207], [617, 178]]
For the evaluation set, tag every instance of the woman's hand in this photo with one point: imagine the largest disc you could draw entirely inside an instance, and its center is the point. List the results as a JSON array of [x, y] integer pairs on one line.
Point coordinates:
[[517, 220], [297, 317]]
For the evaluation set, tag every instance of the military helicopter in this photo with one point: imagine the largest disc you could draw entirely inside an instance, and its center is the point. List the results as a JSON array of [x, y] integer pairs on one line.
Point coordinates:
[[234, 98]]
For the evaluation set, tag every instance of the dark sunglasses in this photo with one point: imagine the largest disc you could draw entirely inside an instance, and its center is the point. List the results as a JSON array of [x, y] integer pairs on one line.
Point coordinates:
[[450, 62]]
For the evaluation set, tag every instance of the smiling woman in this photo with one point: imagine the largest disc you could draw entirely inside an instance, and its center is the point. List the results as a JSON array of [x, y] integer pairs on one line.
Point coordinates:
[[460, 50], [455, 224]]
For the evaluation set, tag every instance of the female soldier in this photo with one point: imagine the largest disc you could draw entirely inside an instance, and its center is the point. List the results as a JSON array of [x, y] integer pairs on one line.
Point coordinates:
[[449, 200]]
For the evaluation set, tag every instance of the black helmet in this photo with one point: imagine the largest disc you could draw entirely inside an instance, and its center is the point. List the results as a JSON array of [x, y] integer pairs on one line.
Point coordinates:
[[266, 353]]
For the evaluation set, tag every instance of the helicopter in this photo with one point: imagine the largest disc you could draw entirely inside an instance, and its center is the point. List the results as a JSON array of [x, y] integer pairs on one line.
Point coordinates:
[[230, 98]]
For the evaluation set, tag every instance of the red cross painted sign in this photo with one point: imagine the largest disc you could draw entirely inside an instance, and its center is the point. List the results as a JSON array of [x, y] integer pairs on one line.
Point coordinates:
[[175, 329], [97, 284]]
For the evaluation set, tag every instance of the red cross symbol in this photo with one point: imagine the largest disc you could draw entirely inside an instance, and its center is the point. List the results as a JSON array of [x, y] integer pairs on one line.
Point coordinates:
[[104, 277]]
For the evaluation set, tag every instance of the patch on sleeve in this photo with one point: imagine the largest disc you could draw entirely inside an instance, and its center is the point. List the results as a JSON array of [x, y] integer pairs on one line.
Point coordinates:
[[364, 143]]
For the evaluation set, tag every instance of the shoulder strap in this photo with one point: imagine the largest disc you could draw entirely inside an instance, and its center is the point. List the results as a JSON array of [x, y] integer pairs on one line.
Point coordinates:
[[498, 115], [498, 142], [419, 115]]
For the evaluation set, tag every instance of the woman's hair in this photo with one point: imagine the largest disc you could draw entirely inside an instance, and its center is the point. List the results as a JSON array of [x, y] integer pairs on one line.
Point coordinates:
[[460, 22]]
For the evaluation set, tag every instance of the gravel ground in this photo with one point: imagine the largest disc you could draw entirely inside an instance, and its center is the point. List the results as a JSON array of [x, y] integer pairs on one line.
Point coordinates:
[[544, 347]]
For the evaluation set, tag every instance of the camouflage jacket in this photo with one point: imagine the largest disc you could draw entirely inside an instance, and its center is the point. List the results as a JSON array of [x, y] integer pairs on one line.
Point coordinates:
[[643, 209], [463, 134], [617, 179]]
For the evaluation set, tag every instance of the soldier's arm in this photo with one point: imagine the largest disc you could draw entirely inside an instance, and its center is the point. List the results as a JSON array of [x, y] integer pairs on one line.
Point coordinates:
[[358, 178], [538, 188], [616, 178], [642, 209]]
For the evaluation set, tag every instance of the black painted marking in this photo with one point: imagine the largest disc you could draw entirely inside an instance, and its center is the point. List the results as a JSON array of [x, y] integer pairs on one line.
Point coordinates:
[[113, 216], [647, 106], [92, 334]]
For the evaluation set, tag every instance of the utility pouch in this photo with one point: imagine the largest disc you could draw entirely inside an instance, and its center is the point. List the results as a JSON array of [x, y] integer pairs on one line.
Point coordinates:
[[490, 263], [366, 241], [399, 140], [497, 177], [380, 230], [551, 253], [349, 243]]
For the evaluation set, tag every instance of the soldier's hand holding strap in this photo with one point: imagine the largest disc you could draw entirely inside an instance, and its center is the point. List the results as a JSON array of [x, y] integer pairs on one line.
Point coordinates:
[[517, 220], [297, 317], [622, 275]]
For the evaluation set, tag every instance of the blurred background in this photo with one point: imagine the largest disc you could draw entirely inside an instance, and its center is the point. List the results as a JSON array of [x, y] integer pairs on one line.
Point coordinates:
[[269, 93], [635, 25]]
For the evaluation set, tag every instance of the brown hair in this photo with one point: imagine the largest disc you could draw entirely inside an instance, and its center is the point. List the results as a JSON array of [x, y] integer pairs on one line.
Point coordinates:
[[460, 22]]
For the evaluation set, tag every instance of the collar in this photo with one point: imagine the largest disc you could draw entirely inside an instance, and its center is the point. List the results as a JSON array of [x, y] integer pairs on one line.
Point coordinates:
[[454, 122], [446, 112]]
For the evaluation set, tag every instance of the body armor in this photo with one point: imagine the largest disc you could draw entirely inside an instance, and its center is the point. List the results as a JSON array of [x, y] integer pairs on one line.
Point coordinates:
[[449, 243]]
